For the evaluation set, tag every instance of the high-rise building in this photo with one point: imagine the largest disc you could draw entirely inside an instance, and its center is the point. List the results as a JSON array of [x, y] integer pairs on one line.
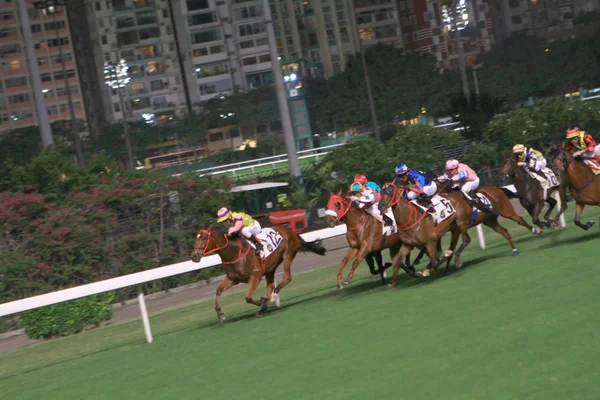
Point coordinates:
[[430, 27], [140, 32], [51, 36], [550, 19], [225, 47]]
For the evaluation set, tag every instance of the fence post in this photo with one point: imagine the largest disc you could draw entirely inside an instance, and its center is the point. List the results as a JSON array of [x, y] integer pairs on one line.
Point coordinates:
[[480, 237], [145, 319]]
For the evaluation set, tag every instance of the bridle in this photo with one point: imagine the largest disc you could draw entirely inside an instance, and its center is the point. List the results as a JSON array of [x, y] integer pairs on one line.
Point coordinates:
[[210, 239]]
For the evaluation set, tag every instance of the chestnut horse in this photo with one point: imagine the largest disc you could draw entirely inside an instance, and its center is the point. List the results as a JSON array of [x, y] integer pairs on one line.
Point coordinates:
[[531, 193], [466, 216], [243, 265], [364, 234], [416, 228], [584, 184]]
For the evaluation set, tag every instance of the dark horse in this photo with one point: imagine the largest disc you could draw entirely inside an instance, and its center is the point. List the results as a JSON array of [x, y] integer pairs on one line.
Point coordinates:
[[243, 265], [364, 235], [584, 184], [531, 193]]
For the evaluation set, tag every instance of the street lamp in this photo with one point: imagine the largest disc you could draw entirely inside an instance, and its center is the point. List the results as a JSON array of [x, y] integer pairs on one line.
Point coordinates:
[[456, 18], [52, 7], [116, 76]]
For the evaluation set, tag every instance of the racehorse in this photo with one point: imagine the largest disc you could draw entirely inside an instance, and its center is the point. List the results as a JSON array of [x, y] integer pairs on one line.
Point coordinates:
[[243, 265], [584, 184], [415, 229], [364, 234], [531, 193], [498, 204]]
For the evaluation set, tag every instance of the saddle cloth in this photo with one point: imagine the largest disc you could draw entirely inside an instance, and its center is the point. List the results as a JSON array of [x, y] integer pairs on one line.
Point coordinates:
[[270, 240], [546, 183], [593, 164], [443, 208]]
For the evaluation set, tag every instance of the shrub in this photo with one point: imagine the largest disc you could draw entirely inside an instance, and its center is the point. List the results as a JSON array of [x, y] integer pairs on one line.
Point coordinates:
[[67, 318]]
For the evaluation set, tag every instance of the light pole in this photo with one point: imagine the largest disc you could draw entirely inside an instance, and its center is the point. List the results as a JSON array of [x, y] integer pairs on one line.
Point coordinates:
[[51, 7], [116, 76], [36, 80], [282, 102], [456, 18], [363, 60]]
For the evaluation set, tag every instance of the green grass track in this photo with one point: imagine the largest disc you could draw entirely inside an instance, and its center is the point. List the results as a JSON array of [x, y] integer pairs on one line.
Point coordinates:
[[502, 327]]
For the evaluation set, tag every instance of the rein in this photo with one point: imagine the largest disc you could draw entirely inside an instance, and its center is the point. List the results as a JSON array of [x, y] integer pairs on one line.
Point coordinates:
[[206, 251], [414, 210]]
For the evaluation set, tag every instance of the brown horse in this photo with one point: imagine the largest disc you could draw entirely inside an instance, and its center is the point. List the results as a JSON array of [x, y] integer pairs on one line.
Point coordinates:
[[416, 228], [584, 184], [243, 265], [531, 193], [466, 217], [364, 234]]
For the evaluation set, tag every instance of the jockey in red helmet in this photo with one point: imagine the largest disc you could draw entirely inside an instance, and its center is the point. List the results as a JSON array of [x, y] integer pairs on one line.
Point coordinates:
[[584, 143]]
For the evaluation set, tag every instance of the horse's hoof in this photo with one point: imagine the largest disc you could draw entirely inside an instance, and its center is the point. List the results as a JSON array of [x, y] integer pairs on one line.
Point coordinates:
[[260, 314], [340, 286], [515, 252], [590, 224], [374, 272], [390, 285], [458, 263], [274, 297], [221, 317], [347, 282], [535, 231], [387, 265]]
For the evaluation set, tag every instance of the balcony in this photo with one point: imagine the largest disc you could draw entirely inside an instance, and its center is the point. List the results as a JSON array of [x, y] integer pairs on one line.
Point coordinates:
[[163, 105]]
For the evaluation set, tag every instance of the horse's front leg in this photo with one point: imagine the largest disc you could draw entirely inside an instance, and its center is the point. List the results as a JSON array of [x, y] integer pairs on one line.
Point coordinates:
[[225, 284], [398, 262], [252, 285], [349, 256], [362, 252], [551, 205], [578, 211]]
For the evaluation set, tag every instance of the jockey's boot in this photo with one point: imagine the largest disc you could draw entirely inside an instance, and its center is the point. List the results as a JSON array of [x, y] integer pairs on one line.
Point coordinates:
[[540, 173], [425, 201], [387, 221], [257, 243]]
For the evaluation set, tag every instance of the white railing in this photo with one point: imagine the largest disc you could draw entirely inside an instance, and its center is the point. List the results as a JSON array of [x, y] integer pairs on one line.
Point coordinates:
[[264, 160], [137, 278]]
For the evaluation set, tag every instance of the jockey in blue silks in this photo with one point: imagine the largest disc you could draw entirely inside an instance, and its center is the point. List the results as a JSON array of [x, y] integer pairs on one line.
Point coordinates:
[[419, 185]]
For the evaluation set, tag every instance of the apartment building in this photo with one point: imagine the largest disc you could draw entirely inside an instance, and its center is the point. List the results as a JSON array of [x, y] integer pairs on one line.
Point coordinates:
[[551, 19], [428, 28], [51, 36], [140, 32]]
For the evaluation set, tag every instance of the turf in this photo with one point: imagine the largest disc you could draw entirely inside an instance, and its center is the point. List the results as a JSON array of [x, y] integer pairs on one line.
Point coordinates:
[[502, 327]]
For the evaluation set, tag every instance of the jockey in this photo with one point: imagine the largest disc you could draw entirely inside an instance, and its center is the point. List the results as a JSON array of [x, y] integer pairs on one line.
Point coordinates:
[[365, 198], [532, 159], [360, 178], [464, 177], [419, 185], [248, 226], [584, 142]]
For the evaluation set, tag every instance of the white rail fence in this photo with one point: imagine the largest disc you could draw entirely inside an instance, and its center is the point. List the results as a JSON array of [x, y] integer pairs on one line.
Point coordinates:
[[137, 278]]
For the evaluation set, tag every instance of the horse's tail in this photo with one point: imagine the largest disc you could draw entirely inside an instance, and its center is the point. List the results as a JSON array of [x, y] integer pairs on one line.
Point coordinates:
[[315, 246], [511, 194]]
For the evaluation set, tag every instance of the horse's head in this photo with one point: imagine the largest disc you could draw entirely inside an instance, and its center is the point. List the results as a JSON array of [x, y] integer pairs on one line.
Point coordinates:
[[507, 168], [205, 244], [557, 156], [390, 195], [337, 207]]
